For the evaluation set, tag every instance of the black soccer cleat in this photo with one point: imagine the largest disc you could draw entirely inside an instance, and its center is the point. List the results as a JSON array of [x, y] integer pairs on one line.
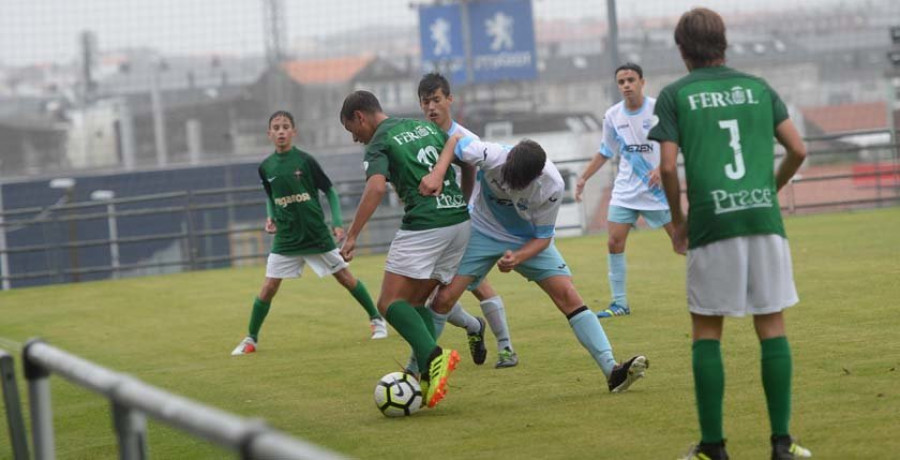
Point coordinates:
[[476, 344], [786, 448], [625, 374], [707, 451]]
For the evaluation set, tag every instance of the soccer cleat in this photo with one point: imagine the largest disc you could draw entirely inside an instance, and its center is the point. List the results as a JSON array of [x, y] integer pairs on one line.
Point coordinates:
[[506, 358], [625, 374], [441, 364], [379, 328], [786, 448], [476, 344], [247, 346], [614, 309], [704, 451]]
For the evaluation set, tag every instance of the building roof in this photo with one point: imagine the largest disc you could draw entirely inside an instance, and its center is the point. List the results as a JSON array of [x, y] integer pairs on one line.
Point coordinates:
[[334, 70], [847, 117]]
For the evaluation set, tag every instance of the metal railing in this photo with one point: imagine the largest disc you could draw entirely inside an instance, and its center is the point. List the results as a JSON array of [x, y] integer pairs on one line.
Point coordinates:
[[131, 401]]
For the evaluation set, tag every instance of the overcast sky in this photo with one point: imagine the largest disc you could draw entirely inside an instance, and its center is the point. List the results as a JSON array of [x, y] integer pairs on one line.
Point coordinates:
[[47, 30]]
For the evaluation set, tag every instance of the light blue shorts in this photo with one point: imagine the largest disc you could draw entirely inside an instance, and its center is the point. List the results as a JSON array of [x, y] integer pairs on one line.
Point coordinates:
[[655, 219], [483, 252]]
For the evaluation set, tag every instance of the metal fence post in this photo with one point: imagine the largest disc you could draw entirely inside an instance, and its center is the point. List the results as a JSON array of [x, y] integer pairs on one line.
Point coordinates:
[[131, 431], [189, 219], [17, 435], [39, 401]]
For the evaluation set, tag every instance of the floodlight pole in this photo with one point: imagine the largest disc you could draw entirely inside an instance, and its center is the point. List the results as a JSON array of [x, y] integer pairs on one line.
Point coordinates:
[[612, 44]]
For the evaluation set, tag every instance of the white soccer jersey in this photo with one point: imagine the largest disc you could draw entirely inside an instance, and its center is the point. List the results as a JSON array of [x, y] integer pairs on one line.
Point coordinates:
[[456, 128], [625, 134], [510, 215]]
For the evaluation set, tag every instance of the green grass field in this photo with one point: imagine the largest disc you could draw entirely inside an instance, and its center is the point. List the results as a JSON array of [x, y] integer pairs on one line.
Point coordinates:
[[316, 369]]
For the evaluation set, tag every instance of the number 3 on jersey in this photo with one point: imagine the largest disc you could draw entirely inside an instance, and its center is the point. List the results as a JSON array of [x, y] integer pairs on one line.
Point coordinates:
[[733, 171], [428, 156]]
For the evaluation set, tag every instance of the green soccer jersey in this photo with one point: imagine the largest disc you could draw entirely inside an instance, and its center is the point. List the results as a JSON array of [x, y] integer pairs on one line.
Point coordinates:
[[724, 122], [292, 180], [404, 151]]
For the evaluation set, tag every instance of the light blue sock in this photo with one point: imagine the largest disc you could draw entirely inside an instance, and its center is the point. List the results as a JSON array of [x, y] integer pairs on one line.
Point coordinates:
[[459, 317], [616, 263], [439, 322], [495, 314], [592, 337]]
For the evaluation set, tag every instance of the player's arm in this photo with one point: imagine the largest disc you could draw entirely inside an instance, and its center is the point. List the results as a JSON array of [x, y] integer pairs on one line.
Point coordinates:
[[533, 247], [596, 163], [467, 180], [668, 170], [787, 136], [337, 221], [270, 226], [376, 187], [433, 182]]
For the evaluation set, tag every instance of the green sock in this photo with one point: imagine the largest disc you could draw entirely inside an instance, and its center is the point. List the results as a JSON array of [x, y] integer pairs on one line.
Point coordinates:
[[361, 294], [709, 388], [260, 310], [425, 313], [776, 377], [409, 324]]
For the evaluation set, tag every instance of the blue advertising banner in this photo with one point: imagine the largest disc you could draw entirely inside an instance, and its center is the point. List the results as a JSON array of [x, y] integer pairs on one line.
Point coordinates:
[[441, 39], [501, 34]]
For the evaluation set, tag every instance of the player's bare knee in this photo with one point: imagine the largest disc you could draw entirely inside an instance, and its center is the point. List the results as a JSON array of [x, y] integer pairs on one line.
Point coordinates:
[[269, 289], [615, 245]]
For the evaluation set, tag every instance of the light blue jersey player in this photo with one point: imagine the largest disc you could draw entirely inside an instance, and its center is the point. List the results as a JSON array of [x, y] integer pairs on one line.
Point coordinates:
[[637, 190], [513, 223]]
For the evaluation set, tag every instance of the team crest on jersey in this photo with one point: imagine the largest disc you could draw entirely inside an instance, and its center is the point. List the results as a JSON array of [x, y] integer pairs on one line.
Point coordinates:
[[422, 131], [298, 173]]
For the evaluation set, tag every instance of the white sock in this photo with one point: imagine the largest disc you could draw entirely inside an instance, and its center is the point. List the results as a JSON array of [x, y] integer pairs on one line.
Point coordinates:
[[495, 314], [459, 317]]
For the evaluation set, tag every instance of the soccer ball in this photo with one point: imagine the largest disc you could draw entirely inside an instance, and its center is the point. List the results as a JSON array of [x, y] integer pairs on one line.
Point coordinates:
[[398, 394]]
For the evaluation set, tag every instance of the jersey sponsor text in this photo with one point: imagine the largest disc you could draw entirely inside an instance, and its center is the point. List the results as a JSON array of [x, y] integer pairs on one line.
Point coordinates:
[[284, 201], [741, 200]]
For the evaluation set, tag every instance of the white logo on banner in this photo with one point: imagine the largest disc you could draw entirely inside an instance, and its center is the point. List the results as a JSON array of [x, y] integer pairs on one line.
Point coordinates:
[[440, 34], [500, 29]]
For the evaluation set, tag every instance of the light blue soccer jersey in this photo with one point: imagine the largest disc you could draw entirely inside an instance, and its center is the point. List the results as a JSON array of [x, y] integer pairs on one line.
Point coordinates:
[[510, 215], [625, 134]]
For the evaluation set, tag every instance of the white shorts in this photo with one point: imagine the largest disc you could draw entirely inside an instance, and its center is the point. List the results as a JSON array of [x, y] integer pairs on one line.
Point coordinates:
[[741, 275], [428, 254], [326, 263]]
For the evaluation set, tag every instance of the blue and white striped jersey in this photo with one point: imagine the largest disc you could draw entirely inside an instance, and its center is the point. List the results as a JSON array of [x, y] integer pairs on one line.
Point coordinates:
[[510, 215], [625, 134]]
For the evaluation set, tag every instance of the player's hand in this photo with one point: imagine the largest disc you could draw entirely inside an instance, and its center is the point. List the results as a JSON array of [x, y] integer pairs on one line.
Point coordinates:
[[579, 188], [680, 238], [654, 179], [508, 262], [338, 233], [431, 185], [270, 226], [348, 248]]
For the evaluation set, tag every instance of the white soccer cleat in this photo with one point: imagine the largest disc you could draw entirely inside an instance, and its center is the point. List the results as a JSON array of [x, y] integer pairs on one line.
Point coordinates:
[[379, 328], [247, 346]]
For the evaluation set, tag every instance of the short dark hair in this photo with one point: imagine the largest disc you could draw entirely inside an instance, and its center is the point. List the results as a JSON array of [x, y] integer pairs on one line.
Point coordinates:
[[524, 164], [361, 100], [630, 66], [700, 34], [432, 82], [285, 114]]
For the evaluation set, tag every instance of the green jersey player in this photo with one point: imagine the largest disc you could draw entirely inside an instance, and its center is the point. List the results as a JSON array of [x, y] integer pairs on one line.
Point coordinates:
[[739, 262], [292, 179], [427, 249]]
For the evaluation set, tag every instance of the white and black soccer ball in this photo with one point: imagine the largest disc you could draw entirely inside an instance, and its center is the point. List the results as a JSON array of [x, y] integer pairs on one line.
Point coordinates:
[[398, 394]]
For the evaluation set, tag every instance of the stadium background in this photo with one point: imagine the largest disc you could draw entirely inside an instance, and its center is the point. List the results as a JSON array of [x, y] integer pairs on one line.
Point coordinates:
[[164, 105]]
